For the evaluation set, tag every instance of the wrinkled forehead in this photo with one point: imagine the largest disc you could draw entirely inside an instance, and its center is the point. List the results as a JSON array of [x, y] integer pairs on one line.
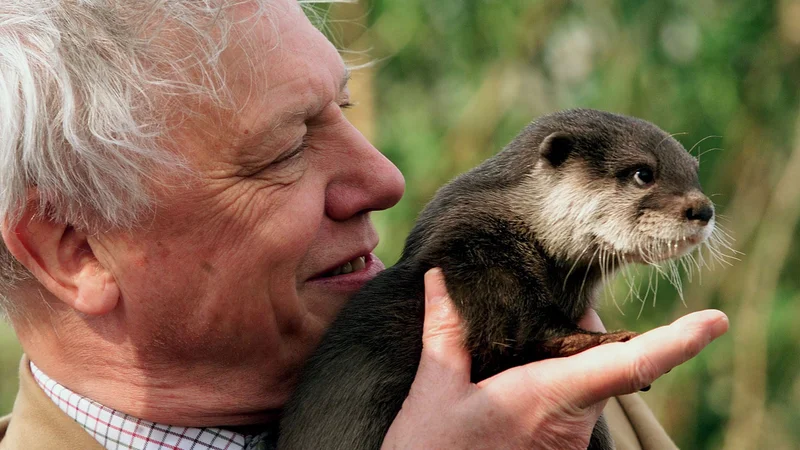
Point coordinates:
[[280, 41], [277, 69]]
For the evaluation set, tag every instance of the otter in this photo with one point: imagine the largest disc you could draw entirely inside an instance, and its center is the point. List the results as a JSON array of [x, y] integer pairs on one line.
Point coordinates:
[[523, 242]]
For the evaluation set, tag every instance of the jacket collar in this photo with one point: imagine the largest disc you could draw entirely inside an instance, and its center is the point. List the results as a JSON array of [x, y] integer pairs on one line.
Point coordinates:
[[36, 423]]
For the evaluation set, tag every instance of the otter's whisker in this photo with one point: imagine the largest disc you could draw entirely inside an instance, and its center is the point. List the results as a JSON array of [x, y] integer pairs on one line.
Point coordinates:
[[577, 260], [644, 300], [700, 155], [722, 237], [724, 234], [720, 217], [676, 280], [682, 133], [696, 264], [718, 256], [613, 258], [629, 278], [655, 292], [713, 244], [701, 257], [700, 142], [651, 274], [716, 241], [686, 268], [603, 270], [588, 268]]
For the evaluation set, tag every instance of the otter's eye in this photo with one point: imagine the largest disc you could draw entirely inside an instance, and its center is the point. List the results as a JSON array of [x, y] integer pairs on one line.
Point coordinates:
[[644, 177]]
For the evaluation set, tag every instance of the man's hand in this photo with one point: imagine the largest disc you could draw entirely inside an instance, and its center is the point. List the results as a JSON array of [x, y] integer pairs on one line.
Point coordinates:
[[551, 404]]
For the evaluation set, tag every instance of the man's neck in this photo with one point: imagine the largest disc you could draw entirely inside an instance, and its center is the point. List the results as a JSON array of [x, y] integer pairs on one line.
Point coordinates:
[[187, 398], [114, 429], [172, 392]]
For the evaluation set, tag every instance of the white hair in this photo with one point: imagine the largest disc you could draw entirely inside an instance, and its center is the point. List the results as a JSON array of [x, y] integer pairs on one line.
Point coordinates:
[[83, 84]]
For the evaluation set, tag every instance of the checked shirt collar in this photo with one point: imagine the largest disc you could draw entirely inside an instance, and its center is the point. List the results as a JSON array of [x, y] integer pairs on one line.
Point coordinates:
[[118, 431]]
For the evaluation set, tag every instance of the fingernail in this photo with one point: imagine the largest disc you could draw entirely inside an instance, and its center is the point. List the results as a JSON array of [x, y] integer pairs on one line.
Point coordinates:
[[433, 289], [719, 327]]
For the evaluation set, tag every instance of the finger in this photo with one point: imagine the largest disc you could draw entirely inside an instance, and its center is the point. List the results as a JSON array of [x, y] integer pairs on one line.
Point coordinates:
[[442, 337], [622, 368]]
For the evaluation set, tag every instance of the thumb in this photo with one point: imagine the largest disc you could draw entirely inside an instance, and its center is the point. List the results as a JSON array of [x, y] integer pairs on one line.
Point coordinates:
[[443, 353]]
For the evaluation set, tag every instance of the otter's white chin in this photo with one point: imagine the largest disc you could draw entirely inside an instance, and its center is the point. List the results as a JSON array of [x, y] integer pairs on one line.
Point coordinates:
[[666, 250]]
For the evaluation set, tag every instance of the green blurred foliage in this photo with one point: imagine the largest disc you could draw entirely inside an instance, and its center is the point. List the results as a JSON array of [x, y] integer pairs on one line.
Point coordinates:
[[10, 352], [452, 81]]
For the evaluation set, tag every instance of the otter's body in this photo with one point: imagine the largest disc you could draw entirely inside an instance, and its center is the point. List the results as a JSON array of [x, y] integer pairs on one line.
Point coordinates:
[[521, 266]]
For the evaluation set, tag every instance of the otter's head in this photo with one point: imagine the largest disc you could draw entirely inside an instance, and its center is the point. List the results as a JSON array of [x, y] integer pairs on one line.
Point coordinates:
[[607, 185]]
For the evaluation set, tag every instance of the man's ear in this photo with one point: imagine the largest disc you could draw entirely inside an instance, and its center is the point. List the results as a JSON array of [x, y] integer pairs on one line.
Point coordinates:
[[61, 258], [556, 148]]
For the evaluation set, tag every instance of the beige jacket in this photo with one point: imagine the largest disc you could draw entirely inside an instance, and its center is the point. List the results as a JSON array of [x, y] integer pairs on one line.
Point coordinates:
[[36, 423]]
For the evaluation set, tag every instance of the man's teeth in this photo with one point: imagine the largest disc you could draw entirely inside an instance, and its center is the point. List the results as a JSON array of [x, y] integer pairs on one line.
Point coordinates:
[[359, 263], [350, 267]]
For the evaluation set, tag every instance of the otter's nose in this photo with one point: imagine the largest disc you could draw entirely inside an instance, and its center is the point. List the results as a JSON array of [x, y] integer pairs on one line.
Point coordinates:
[[702, 213]]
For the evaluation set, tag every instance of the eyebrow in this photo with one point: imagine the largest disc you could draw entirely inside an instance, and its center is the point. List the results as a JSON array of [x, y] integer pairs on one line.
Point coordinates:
[[347, 75], [290, 116]]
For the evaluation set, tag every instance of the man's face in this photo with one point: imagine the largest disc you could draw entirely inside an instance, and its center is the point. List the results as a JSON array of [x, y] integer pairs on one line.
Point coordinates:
[[231, 272]]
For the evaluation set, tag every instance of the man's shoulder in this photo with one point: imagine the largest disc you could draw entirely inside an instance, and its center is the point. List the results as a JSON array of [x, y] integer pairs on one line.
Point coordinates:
[[37, 423]]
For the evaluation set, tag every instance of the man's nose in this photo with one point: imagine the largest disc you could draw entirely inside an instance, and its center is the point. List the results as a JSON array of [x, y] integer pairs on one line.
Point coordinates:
[[365, 181]]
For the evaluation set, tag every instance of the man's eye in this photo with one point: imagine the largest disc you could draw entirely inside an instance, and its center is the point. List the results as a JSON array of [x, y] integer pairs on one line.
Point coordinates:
[[643, 177], [347, 105], [293, 153]]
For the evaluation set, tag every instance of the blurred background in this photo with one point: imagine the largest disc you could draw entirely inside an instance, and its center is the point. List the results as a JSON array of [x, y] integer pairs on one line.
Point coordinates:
[[450, 82]]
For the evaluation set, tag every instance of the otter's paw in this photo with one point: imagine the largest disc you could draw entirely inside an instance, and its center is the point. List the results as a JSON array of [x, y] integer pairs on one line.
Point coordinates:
[[618, 336]]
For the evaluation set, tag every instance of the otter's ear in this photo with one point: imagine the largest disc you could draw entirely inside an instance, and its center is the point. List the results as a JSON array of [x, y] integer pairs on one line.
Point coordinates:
[[556, 148]]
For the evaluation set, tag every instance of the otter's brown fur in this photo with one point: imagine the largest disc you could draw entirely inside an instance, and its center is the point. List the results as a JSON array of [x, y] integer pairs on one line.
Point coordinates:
[[517, 248]]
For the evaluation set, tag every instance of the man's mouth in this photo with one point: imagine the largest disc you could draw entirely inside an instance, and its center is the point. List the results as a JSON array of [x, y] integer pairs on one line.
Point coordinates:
[[350, 276], [351, 266]]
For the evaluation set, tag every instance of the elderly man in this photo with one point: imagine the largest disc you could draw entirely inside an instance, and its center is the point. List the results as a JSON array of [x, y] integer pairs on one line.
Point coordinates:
[[177, 181]]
